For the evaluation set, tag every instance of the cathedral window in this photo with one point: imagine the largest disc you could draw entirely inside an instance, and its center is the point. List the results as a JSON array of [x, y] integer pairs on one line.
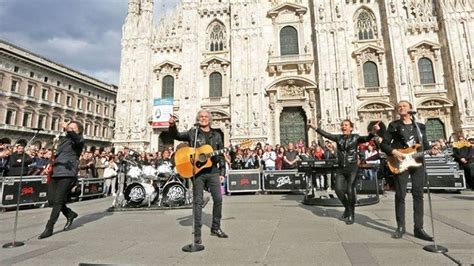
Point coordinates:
[[425, 68], [167, 87], [371, 75], [366, 27], [288, 41], [215, 85], [217, 37]]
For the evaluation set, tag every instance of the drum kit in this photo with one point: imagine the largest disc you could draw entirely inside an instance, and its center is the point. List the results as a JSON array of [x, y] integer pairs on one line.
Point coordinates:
[[146, 186]]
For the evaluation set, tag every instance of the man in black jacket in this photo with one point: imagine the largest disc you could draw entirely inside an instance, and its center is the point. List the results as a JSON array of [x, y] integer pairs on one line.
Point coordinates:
[[65, 170], [211, 177], [401, 134], [16, 162]]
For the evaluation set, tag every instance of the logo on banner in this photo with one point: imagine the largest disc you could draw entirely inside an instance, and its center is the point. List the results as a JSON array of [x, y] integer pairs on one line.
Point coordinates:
[[27, 191], [93, 188], [244, 181], [283, 180], [175, 193]]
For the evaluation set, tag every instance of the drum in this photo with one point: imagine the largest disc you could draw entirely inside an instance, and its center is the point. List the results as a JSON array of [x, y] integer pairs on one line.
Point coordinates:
[[150, 172], [137, 194], [164, 170], [174, 194], [135, 172]]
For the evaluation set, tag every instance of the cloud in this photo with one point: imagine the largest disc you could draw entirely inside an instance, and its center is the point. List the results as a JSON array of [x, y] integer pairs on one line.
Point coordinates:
[[84, 35]]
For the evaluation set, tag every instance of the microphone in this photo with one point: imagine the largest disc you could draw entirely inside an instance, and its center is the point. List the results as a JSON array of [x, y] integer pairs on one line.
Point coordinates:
[[38, 129], [412, 112], [196, 124]]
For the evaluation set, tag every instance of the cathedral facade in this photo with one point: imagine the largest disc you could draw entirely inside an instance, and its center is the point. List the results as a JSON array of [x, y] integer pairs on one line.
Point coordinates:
[[264, 67]]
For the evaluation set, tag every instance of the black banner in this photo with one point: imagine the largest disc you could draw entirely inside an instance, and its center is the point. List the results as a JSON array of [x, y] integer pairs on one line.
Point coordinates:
[[445, 180], [91, 187], [285, 180], [243, 181], [34, 190]]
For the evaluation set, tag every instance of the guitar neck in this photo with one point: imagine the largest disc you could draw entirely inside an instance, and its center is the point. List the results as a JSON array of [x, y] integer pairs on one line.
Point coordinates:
[[420, 154], [218, 152]]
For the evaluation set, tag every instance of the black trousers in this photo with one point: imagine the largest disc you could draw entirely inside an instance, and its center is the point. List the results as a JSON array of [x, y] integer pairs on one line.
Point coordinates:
[[58, 191], [417, 182], [345, 186], [212, 181]]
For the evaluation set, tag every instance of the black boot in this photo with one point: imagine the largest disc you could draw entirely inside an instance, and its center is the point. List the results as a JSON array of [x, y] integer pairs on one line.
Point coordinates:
[[72, 215], [351, 217], [399, 232], [345, 214], [48, 231], [219, 233], [421, 234]]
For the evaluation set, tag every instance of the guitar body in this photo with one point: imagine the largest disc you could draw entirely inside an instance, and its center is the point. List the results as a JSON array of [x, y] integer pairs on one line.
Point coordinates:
[[183, 160], [49, 167], [397, 167]]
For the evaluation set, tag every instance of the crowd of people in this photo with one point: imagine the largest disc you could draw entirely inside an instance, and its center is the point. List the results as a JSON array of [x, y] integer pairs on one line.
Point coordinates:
[[99, 163]]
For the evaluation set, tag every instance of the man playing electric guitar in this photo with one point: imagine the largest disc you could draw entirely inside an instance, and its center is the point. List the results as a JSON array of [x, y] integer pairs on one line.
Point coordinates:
[[65, 168], [212, 176], [402, 134]]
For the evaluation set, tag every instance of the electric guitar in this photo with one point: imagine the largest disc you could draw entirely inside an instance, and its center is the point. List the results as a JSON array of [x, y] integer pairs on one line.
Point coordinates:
[[49, 167], [411, 155], [184, 158]]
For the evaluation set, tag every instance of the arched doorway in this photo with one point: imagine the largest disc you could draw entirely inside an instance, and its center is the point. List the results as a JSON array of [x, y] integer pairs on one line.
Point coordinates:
[[165, 141], [435, 129], [292, 125]]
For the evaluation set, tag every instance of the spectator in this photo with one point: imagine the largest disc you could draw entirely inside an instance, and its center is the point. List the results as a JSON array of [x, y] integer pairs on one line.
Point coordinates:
[[142, 160], [318, 153], [280, 158], [86, 165], [249, 159], [16, 161], [371, 152], [100, 160], [463, 152], [5, 152], [238, 162], [258, 159], [269, 158], [39, 163], [291, 157], [110, 175]]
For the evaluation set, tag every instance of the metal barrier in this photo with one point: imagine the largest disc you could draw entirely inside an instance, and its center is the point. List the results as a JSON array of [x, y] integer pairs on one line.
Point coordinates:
[[34, 190]]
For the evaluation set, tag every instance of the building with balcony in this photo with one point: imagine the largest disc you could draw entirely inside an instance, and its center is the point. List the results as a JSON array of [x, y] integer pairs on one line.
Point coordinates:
[[36, 92], [263, 68]]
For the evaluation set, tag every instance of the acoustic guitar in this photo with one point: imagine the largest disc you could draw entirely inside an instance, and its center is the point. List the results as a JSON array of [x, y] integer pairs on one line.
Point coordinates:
[[184, 157], [49, 167], [411, 156]]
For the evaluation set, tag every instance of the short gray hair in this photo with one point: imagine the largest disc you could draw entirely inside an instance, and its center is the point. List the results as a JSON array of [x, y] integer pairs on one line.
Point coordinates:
[[204, 110]]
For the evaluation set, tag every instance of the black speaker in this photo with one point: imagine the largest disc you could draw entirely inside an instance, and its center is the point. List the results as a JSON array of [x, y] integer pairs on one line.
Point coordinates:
[[367, 187]]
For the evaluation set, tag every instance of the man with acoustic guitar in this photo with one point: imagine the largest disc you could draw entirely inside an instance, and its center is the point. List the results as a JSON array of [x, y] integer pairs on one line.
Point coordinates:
[[211, 176], [400, 136], [65, 168]]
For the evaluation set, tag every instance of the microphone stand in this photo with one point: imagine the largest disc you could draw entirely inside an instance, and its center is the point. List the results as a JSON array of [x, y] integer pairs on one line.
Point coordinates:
[[15, 243], [193, 247], [430, 248]]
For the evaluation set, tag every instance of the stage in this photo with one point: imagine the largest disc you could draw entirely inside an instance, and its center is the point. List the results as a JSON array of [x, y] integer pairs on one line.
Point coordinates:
[[263, 229]]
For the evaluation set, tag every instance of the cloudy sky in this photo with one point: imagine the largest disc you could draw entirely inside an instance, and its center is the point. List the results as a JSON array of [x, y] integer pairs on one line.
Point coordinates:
[[81, 34]]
